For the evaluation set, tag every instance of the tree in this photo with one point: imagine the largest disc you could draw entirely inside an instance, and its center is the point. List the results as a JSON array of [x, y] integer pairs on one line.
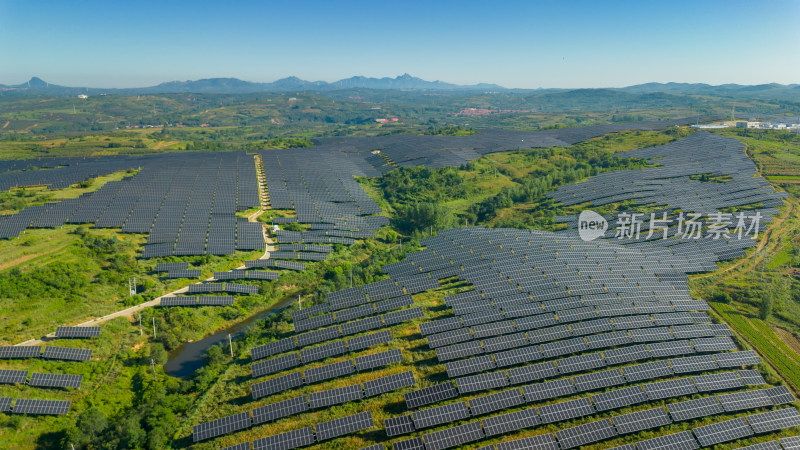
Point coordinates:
[[158, 353], [765, 308], [90, 424]]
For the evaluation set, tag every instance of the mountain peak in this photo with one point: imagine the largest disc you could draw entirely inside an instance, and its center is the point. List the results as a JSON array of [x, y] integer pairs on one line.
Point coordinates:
[[37, 82]]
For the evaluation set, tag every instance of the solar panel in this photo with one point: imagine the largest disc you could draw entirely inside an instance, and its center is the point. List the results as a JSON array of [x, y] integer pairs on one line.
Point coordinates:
[[598, 380], [449, 337], [586, 434], [545, 441], [737, 359], [693, 364], [744, 400], [273, 348], [719, 432], [774, 420], [179, 301], [548, 390], [532, 373], [275, 364], [505, 423], [751, 377], [453, 436], [13, 376], [369, 340], [481, 382], [5, 403], [404, 315], [517, 356], [496, 402], [790, 443], [278, 384], [329, 371], [317, 336], [324, 351], [717, 381], [50, 407], [431, 394], [224, 425], [67, 353], [713, 344], [285, 441], [581, 363], [557, 412], [430, 417], [674, 348], [409, 444], [279, 410], [780, 395], [669, 388], [692, 409], [389, 383], [627, 354], [641, 420], [55, 380], [378, 359], [20, 352], [677, 441], [336, 396], [242, 446], [77, 332], [345, 425], [619, 398], [370, 323], [647, 371], [399, 425]]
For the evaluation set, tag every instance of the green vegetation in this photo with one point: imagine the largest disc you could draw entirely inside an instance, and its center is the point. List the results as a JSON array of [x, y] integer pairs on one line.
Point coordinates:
[[65, 276]]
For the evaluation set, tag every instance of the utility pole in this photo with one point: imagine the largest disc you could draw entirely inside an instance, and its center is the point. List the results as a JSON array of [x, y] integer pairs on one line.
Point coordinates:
[[153, 365], [154, 327], [141, 333], [230, 343], [299, 303]]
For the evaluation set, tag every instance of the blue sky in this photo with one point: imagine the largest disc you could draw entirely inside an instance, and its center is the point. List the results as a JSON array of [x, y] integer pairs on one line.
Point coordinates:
[[523, 44]]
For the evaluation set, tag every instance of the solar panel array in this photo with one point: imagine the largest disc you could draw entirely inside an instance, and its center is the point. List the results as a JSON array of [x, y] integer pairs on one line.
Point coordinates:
[[77, 332], [670, 183], [291, 439], [186, 202]]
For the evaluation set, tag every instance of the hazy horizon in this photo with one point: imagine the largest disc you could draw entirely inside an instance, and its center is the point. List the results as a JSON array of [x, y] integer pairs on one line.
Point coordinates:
[[575, 44]]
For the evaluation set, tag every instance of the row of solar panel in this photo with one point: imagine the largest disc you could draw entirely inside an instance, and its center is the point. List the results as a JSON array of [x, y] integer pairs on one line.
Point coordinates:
[[202, 300], [540, 371], [292, 439], [358, 326], [290, 343], [50, 352], [587, 433], [40, 379], [327, 371], [28, 406], [357, 312], [220, 287]]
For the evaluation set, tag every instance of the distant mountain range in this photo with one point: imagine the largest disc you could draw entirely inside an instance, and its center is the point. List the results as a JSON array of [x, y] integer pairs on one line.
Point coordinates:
[[37, 86], [236, 86]]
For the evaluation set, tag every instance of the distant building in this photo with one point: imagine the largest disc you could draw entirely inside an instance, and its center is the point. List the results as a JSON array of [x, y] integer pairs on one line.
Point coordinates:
[[83, 96]]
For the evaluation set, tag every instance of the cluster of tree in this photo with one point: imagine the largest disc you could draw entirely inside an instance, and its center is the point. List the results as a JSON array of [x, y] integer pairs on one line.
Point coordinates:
[[414, 184], [157, 412], [533, 187], [417, 218], [450, 130]]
